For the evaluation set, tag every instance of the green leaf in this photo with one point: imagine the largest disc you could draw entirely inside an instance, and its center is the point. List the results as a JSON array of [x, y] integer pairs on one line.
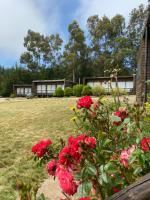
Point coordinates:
[[137, 170], [107, 141], [91, 170], [84, 189], [132, 159], [126, 120], [104, 177], [115, 118]]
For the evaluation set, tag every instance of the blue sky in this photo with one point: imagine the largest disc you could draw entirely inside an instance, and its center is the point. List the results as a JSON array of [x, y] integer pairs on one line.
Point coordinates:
[[47, 17]]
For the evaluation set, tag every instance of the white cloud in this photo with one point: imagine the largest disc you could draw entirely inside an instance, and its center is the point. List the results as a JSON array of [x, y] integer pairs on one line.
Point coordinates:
[[16, 17], [105, 7]]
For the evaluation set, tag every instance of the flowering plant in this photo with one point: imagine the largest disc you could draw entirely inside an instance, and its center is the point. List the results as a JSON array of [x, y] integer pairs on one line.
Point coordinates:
[[111, 150]]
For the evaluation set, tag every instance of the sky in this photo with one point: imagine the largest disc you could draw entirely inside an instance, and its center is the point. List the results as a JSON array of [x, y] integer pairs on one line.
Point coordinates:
[[49, 17]]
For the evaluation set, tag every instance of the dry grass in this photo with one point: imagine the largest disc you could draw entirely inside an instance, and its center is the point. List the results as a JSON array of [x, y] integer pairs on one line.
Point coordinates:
[[22, 124]]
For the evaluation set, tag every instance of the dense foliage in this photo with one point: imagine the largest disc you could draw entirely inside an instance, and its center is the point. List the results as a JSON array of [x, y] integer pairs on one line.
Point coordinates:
[[110, 43], [110, 151]]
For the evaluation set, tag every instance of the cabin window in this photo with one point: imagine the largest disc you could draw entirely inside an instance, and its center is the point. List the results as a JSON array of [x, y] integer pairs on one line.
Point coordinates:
[[41, 89], [20, 91], [129, 86], [121, 85], [27, 90], [51, 88], [91, 84]]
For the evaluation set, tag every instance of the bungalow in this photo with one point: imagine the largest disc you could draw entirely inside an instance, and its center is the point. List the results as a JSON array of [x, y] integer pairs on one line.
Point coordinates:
[[48, 87], [22, 90], [126, 83]]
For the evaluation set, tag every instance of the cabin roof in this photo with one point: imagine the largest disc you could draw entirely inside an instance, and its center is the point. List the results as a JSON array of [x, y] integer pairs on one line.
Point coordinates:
[[51, 81], [22, 85], [106, 78]]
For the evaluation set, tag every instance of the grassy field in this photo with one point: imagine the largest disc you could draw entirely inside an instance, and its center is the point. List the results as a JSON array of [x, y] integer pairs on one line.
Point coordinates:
[[22, 124]]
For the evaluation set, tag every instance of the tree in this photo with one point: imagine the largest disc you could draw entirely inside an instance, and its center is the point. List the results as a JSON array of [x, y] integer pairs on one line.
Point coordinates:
[[108, 43], [135, 30], [75, 53], [41, 51]]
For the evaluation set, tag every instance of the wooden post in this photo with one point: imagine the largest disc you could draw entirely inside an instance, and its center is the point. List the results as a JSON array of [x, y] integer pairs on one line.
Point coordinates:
[[140, 190]]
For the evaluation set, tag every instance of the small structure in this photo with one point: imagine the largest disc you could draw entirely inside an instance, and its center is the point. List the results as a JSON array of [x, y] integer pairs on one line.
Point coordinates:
[[143, 64], [126, 83], [48, 87], [22, 90]]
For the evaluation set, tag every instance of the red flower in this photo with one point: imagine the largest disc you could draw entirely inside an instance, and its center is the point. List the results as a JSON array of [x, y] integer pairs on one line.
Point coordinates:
[[40, 148], [86, 198], [65, 156], [145, 144], [84, 102], [115, 190], [122, 113], [66, 181], [51, 167], [90, 141]]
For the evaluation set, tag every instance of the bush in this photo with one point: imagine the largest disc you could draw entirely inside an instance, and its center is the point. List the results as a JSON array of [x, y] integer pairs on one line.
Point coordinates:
[[77, 90], [98, 90], [118, 91], [59, 92], [68, 92], [87, 90]]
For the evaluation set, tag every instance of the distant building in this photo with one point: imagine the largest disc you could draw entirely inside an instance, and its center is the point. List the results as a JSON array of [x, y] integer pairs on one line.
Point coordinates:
[[126, 83], [48, 87], [41, 87], [22, 90]]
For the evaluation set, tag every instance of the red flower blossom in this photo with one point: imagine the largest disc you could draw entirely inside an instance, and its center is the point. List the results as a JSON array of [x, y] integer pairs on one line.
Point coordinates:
[[115, 190], [122, 113], [86, 198], [145, 144], [66, 181], [90, 141], [40, 148], [51, 167], [84, 102], [65, 156], [125, 154]]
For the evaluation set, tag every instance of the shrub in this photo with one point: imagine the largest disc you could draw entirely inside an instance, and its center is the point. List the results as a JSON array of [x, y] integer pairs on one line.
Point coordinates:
[[59, 92], [68, 92], [77, 90], [87, 90], [98, 90], [118, 91]]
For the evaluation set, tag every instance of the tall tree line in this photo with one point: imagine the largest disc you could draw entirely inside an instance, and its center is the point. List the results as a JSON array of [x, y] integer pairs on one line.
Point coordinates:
[[110, 43]]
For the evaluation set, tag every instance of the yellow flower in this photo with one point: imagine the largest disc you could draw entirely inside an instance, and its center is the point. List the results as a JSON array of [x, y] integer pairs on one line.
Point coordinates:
[[73, 119], [147, 106], [73, 108]]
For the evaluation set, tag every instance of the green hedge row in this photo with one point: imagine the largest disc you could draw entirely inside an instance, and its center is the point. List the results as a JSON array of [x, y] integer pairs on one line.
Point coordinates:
[[83, 90]]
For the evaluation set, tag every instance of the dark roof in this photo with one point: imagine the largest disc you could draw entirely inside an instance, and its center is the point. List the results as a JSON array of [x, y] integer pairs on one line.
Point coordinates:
[[106, 78], [50, 81], [22, 85]]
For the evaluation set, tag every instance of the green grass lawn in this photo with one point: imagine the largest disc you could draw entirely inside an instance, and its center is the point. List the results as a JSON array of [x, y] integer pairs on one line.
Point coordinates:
[[22, 124]]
